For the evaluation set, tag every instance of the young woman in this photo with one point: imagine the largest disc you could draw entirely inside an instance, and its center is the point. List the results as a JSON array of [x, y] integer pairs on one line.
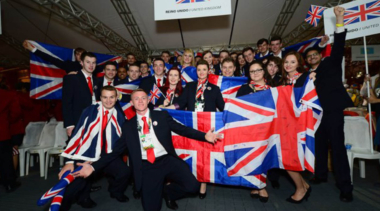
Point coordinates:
[[172, 88], [273, 66], [187, 58], [207, 56], [240, 63], [293, 72]]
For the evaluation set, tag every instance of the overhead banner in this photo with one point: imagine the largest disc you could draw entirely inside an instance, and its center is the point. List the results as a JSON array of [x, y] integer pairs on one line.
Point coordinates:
[[373, 52], [181, 9], [361, 18]]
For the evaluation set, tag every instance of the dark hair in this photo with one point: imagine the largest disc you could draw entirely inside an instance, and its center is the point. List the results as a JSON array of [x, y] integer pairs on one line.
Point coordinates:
[[79, 50], [311, 49], [131, 54], [134, 65], [206, 52], [274, 38], [229, 59], [167, 52], [237, 65], [300, 67], [158, 59], [178, 88], [144, 62], [277, 61], [198, 57], [88, 54], [248, 49], [108, 88], [202, 62], [233, 53], [109, 63], [266, 75], [261, 41], [225, 51]]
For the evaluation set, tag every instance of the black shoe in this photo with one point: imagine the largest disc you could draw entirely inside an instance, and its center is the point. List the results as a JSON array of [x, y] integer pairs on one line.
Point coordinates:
[[202, 195], [317, 181], [95, 188], [254, 195], [171, 204], [263, 199], [346, 197], [275, 184], [122, 198], [305, 197], [136, 195], [87, 203], [12, 187]]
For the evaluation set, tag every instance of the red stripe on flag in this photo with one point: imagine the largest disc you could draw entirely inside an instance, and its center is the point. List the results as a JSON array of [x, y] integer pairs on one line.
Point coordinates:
[[46, 71], [46, 91], [251, 108], [88, 135], [57, 199], [246, 160], [183, 156], [261, 178]]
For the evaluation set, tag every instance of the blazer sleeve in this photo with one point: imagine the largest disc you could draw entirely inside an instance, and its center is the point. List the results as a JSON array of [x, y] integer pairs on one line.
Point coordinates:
[[219, 99], [64, 65], [67, 101], [183, 130], [118, 149], [240, 92]]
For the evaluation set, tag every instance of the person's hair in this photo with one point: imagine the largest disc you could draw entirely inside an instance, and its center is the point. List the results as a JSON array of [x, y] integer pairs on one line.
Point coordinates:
[[311, 49], [88, 54], [203, 62], [79, 50], [225, 51], [198, 57], [266, 75], [108, 88], [178, 88], [188, 50], [158, 59], [261, 41], [300, 68], [109, 63], [234, 53], [274, 38], [131, 54], [134, 65], [248, 49], [277, 61], [144, 62], [206, 52], [237, 65], [167, 52], [138, 90], [228, 59]]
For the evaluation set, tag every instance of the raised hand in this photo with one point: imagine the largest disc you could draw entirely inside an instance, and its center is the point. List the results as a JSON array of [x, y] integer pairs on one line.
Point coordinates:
[[339, 14], [27, 45]]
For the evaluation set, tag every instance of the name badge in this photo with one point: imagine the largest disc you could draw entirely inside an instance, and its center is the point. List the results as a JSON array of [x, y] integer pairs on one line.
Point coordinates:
[[146, 140], [199, 106]]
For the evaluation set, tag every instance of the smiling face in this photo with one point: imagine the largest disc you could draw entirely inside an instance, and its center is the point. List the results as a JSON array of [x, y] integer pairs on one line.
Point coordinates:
[[133, 73], [272, 68], [139, 100], [88, 64], [202, 71], [108, 98], [187, 58], [241, 60], [263, 48], [249, 56], [122, 73], [143, 68], [131, 59], [208, 57], [276, 46], [159, 68], [228, 69], [222, 56], [165, 57], [110, 72], [291, 64], [256, 73], [313, 58], [173, 77]]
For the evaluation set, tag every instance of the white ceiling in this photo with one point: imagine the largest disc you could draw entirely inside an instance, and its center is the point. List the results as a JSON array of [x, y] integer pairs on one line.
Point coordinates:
[[254, 20]]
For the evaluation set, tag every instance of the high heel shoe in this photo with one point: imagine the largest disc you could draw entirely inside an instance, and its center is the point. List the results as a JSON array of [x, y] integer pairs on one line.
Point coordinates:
[[255, 195], [202, 195], [263, 199], [305, 197]]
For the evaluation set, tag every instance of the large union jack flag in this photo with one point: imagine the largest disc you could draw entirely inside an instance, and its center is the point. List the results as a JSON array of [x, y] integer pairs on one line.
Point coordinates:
[[188, 1], [362, 12], [314, 15], [271, 129], [46, 78], [312, 43], [206, 160]]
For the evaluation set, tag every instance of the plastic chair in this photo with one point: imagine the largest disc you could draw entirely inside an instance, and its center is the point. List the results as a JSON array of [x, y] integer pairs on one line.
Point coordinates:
[[45, 143], [32, 136], [356, 131], [59, 145]]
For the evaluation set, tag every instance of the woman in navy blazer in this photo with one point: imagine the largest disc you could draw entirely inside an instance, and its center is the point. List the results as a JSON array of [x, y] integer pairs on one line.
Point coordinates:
[[172, 88]]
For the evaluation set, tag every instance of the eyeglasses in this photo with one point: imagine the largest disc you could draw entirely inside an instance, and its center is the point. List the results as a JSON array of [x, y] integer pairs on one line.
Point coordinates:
[[311, 55], [256, 71]]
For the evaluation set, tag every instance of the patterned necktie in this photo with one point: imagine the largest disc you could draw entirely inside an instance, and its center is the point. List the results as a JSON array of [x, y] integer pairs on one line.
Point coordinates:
[[109, 83], [149, 152], [89, 82], [158, 82], [200, 88], [104, 125]]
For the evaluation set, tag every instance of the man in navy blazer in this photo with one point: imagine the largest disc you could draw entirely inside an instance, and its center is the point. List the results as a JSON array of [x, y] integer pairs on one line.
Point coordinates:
[[155, 127], [78, 92], [158, 78]]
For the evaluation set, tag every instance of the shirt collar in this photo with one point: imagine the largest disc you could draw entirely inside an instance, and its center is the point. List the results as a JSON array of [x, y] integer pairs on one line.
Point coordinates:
[[140, 116], [86, 74]]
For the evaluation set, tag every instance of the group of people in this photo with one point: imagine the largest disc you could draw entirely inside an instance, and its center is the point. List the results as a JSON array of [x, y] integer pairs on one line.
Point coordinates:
[[100, 136]]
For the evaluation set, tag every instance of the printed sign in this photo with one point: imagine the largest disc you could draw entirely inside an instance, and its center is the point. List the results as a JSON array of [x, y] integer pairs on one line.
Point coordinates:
[[373, 52], [181, 9]]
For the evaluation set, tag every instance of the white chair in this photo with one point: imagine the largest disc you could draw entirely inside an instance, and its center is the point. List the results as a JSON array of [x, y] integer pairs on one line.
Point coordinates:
[[59, 145], [32, 136], [356, 131], [45, 143]]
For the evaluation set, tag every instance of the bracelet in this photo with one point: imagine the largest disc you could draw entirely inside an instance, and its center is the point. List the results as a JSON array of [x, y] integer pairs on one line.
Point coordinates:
[[339, 25]]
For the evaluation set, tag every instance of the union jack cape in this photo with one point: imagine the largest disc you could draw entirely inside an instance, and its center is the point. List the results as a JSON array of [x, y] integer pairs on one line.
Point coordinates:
[[45, 78], [206, 160], [314, 15], [86, 142], [271, 129]]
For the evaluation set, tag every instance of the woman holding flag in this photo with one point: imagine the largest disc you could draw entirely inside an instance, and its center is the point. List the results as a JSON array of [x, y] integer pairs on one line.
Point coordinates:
[[172, 88]]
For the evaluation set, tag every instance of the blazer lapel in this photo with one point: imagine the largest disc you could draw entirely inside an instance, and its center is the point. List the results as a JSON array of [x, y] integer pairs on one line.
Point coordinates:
[[134, 143]]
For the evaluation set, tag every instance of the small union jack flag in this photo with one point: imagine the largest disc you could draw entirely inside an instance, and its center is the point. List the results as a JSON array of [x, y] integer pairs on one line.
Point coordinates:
[[154, 94], [362, 12], [188, 1], [314, 15]]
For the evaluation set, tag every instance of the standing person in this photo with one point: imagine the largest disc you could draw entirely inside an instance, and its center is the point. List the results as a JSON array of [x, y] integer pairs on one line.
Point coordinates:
[[233, 55], [229, 68], [147, 136], [107, 79], [131, 59], [158, 77], [293, 72], [249, 56], [274, 69], [133, 72], [172, 88], [104, 120], [165, 55], [334, 99], [121, 75], [276, 46], [263, 46], [144, 69], [187, 58], [223, 54], [208, 56], [10, 112], [240, 63]]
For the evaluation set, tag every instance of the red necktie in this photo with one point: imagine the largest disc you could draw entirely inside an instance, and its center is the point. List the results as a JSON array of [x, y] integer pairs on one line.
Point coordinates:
[[149, 152], [109, 83], [158, 82], [104, 125], [89, 82]]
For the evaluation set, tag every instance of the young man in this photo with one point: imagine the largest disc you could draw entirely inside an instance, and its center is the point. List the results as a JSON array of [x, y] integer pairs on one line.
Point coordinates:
[[133, 72], [249, 56], [144, 69], [165, 55], [131, 59], [108, 79], [147, 136], [233, 55], [104, 120], [276, 46], [263, 47], [228, 67], [158, 77], [121, 75], [334, 99], [78, 91], [223, 54]]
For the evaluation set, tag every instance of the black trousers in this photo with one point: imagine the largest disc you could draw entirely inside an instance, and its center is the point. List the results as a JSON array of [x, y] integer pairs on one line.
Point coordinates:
[[117, 173], [332, 129], [7, 172], [167, 167]]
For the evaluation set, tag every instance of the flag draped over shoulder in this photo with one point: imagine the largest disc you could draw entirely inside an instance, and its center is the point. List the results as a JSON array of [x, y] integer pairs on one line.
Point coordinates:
[[45, 78], [206, 160], [312, 43], [86, 141], [271, 129]]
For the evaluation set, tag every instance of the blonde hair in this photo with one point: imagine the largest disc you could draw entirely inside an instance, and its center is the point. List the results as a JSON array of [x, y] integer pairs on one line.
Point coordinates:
[[188, 50]]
